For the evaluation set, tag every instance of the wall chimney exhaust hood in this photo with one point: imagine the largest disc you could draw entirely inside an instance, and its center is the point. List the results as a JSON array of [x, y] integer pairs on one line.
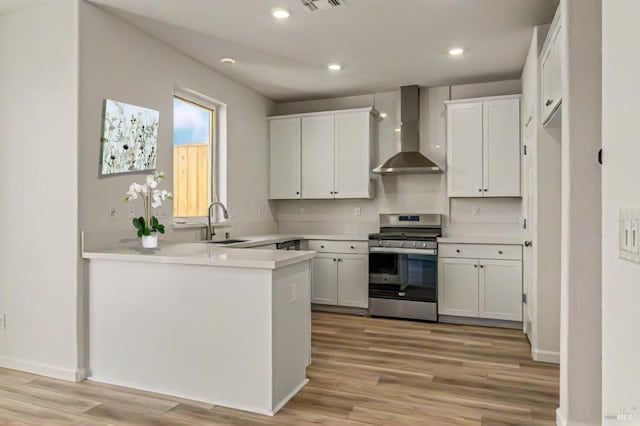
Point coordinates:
[[409, 159]]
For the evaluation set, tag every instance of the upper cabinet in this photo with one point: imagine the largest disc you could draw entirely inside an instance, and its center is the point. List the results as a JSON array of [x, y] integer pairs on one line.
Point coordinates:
[[551, 66], [483, 147], [329, 156]]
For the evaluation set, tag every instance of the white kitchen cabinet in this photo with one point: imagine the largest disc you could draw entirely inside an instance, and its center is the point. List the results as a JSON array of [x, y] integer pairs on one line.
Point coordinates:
[[476, 281], [322, 155], [352, 170], [458, 287], [340, 278], [324, 279], [500, 290], [353, 280], [284, 158], [464, 133], [551, 65], [501, 148], [483, 147], [318, 143]]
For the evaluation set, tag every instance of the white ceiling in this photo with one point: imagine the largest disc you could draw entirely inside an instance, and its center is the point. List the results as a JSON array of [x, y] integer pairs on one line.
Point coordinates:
[[382, 44]]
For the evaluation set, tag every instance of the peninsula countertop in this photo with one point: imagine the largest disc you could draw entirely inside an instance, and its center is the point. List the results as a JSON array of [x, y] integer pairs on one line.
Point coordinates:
[[200, 253]]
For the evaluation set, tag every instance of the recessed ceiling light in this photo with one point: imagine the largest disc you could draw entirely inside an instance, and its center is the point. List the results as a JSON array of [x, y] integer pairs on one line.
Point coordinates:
[[228, 61], [334, 66], [456, 51], [397, 129], [383, 115], [280, 13]]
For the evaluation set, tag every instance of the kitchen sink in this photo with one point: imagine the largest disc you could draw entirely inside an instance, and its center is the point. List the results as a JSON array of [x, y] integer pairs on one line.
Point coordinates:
[[231, 241]]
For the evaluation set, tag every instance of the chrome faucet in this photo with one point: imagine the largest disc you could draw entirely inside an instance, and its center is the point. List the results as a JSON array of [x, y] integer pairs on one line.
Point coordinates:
[[210, 229]]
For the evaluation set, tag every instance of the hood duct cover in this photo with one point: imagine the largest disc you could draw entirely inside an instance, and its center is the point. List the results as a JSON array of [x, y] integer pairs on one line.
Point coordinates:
[[409, 159]]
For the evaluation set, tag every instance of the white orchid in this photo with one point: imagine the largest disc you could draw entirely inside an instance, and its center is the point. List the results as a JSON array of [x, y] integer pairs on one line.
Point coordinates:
[[152, 198]]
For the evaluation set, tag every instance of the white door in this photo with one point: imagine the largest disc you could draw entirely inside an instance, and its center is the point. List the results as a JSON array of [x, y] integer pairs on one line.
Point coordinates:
[[353, 280], [458, 287], [317, 156], [352, 161], [500, 290], [556, 69], [324, 279], [464, 149], [529, 191], [501, 148], [284, 158], [547, 83]]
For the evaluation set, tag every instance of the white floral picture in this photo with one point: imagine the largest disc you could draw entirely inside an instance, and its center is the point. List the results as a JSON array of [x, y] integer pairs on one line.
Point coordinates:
[[129, 138]]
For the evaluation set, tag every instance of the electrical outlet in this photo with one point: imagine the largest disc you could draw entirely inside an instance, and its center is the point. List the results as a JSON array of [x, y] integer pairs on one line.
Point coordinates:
[[300, 211], [259, 212], [629, 235], [112, 213], [357, 211], [3, 322], [294, 291], [476, 211], [132, 212]]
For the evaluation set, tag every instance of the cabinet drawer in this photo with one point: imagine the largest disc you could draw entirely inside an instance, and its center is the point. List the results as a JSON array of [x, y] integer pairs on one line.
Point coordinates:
[[321, 246], [480, 251]]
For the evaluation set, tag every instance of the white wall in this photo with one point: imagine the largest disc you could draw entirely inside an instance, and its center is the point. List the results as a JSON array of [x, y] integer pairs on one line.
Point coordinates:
[[581, 256], [38, 189], [404, 193], [620, 190], [544, 150], [122, 63]]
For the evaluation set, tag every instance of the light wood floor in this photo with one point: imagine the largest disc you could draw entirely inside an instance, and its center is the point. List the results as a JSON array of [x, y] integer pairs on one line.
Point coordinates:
[[365, 372]]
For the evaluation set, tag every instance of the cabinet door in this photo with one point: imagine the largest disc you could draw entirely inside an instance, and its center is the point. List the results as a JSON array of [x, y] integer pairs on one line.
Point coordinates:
[[317, 156], [501, 290], [458, 287], [464, 149], [501, 148], [547, 83], [352, 155], [284, 158], [353, 280], [324, 281]]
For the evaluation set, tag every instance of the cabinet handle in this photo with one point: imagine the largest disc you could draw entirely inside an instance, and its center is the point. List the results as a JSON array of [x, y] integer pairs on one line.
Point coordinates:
[[482, 266], [549, 102], [500, 252], [321, 246], [297, 192], [457, 250], [339, 260], [352, 248], [485, 190], [335, 260], [479, 189], [475, 266]]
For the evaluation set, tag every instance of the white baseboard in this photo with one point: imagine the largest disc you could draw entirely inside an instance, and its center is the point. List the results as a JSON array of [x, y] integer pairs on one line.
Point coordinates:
[[539, 355], [289, 396], [560, 421], [42, 369]]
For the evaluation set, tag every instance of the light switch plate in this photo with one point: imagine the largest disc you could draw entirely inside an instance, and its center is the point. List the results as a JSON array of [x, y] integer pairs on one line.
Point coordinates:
[[629, 235]]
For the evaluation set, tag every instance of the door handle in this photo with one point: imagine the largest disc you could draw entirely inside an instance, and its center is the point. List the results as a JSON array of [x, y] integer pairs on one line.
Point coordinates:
[[528, 243]]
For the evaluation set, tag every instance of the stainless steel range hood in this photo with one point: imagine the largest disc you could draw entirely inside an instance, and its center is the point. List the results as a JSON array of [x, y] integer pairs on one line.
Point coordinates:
[[409, 159]]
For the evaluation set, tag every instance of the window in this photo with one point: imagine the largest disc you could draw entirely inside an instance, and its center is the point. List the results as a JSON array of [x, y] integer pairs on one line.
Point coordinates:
[[194, 151]]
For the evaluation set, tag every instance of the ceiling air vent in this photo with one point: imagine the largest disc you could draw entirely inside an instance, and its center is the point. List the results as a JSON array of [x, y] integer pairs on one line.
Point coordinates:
[[314, 5]]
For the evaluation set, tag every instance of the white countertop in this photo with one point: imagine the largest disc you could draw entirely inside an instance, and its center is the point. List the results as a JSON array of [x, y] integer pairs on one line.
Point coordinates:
[[466, 239], [263, 240], [199, 253]]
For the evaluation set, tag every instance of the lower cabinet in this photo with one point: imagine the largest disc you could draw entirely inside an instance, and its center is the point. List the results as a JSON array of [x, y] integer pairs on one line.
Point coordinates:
[[480, 288], [341, 280]]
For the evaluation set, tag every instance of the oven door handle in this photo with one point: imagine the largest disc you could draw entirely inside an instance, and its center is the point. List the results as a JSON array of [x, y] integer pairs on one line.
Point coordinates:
[[397, 250]]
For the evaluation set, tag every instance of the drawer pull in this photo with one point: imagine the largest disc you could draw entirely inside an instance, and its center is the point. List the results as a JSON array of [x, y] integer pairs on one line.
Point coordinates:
[[500, 252], [475, 266], [457, 250], [352, 248], [482, 266], [321, 246]]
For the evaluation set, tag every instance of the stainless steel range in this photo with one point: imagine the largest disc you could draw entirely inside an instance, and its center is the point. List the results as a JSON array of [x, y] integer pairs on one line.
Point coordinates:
[[403, 266]]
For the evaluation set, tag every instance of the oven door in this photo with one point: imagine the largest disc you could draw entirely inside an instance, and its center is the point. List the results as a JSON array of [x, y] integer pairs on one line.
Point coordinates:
[[408, 274]]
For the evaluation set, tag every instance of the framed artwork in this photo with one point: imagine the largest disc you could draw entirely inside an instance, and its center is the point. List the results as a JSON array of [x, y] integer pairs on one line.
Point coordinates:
[[129, 138]]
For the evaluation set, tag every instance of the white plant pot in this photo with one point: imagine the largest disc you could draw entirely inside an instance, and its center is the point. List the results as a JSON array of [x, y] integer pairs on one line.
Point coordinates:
[[150, 241]]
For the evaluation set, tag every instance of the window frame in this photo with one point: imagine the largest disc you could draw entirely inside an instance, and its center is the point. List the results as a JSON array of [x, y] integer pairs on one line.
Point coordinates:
[[216, 155]]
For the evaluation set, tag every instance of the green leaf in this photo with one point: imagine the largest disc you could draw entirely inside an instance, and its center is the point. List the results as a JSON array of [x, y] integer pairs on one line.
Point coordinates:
[[161, 229], [154, 221], [139, 233], [146, 232], [137, 224]]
